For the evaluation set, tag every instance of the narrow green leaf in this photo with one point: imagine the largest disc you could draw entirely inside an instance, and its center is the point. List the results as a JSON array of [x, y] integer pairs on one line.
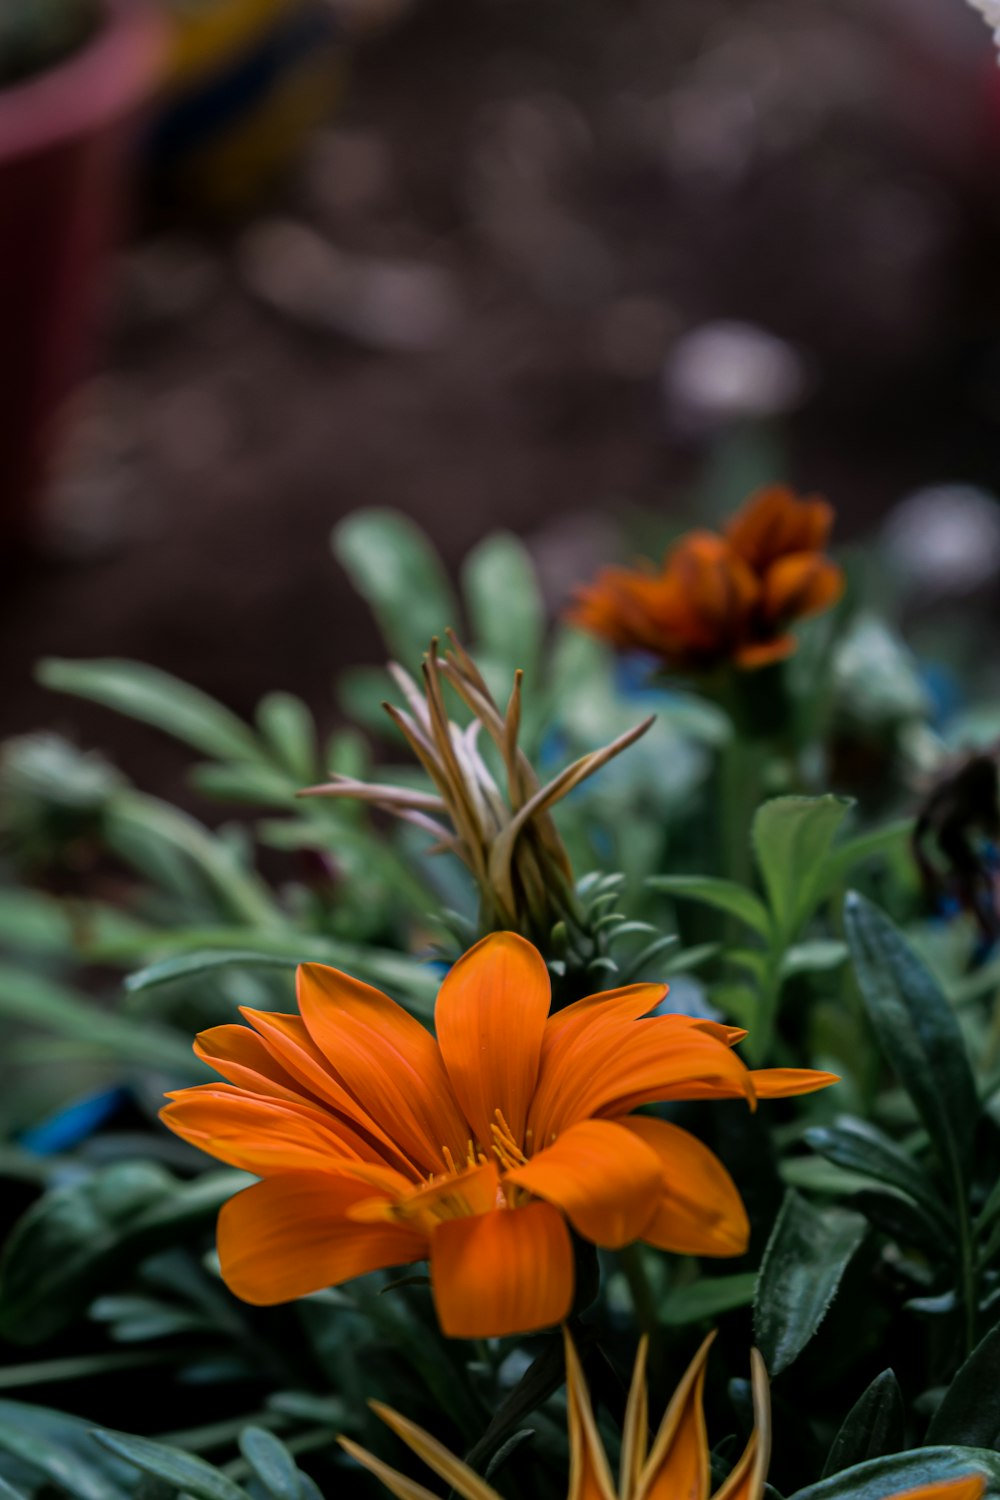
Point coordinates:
[[394, 567], [503, 601], [184, 965], [805, 1260], [816, 957], [724, 895], [896, 1475], [260, 786], [61, 1449], [904, 1221], [861, 1147], [271, 1463], [541, 1379], [917, 1032], [288, 727], [503, 1453], [851, 852], [707, 1299], [36, 1001], [154, 697], [792, 837], [74, 1240], [874, 1426], [191, 1475], [970, 1413], [411, 980], [243, 895]]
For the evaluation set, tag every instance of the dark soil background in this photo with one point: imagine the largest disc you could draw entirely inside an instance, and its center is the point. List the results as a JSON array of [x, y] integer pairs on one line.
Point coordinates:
[[560, 189]]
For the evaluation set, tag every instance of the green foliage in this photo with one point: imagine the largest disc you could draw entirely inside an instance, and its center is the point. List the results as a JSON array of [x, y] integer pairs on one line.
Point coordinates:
[[804, 1263], [874, 1208]]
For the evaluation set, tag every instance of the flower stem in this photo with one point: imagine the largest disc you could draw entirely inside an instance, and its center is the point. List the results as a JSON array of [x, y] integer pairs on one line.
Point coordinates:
[[643, 1301]]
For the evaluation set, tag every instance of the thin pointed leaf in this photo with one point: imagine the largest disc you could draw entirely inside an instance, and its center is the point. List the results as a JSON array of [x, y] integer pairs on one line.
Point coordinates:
[[874, 1426], [917, 1032]]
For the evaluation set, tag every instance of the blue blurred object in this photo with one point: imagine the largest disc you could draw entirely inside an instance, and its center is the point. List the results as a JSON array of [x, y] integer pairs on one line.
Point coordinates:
[[943, 689], [75, 1123]]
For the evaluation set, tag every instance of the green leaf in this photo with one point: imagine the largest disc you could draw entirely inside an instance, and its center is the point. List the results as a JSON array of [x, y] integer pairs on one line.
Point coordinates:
[[969, 1413], [157, 698], [503, 602], [394, 567], [904, 1221], [895, 1475], [875, 1425], [841, 860], [74, 1240], [205, 948], [816, 957], [61, 1448], [35, 1001], [805, 1260], [185, 965], [271, 1463], [190, 1475], [792, 837], [724, 895], [288, 727], [262, 786], [917, 1031], [541, 1379], [860, 1147], [706, 1299], [132, 818]]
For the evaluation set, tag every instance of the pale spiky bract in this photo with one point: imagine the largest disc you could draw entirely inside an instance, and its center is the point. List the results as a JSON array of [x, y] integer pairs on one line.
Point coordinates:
[[506, 837]]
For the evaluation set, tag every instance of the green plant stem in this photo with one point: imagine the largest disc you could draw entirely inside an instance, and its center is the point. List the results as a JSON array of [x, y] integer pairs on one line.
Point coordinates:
[[643, 1300], [969, 1272]]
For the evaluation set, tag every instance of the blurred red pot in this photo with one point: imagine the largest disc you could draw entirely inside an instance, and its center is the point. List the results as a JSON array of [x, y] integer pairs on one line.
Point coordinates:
[[66, 139]]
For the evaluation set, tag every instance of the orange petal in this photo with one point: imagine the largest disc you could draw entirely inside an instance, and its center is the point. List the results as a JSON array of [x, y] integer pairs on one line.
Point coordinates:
[[746, 1482], [260, 1134], [458, 1195], [785, 1083], [490, 1017], [774, 522], [804, 583], [603, 1178], [386, 1059], [718, 588], [969, 1487], [608, 1007], [606, 1071], [700, 1211], [291, 1235], [677, 1467], [293, 1049], [589, 1475], [756, 654], [510, 1271], [241, 1056]]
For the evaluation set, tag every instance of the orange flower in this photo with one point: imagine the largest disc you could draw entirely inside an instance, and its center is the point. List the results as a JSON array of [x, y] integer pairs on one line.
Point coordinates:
[[676, 1467], [721, 599], [379, 1145]]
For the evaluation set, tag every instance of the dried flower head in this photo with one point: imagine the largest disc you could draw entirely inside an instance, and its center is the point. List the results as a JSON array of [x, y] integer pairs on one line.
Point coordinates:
[[506, 837]]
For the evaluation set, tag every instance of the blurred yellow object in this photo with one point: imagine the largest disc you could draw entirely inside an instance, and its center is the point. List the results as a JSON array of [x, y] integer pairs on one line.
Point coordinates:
[[247, 80]]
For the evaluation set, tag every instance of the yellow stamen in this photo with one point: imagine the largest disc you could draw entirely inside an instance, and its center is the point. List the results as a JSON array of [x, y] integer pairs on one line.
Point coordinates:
[[505, 1148]]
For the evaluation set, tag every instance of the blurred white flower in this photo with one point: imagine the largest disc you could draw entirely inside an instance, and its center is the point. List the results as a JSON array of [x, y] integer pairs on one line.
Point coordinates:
[[991, 10]]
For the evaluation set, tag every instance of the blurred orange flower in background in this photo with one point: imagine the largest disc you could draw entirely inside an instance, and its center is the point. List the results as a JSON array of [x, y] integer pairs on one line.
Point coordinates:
[[379, 1145], [722, 599]]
